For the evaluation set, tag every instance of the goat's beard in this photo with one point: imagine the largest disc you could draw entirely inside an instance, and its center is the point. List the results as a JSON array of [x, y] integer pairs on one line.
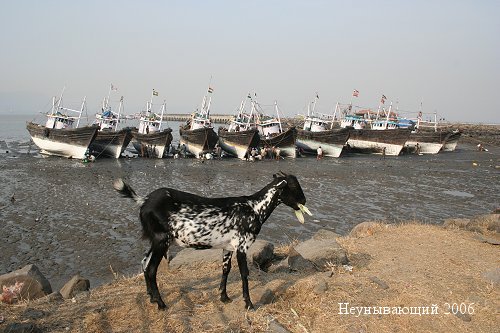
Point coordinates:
[[299, 211]]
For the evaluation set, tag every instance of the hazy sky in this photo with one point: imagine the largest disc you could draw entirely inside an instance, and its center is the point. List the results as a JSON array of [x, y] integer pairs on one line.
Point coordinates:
[[444, 53]]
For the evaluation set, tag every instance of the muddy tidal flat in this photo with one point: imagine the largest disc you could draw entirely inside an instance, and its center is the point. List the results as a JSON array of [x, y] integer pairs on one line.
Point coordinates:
[[64, 216]]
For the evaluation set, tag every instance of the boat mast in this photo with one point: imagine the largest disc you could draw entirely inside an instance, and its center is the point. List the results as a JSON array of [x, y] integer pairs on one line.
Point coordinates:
[[80, 112], [388, 114], [161, 114], [334, 113], [120, 106], [278, 113]]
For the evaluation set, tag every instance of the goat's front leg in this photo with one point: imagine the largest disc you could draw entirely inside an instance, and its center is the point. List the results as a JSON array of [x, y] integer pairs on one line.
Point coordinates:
[[242, 264], [226, 268]]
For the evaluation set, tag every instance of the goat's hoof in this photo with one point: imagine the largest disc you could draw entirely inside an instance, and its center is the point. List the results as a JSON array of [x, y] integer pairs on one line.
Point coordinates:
[[249, 306], [225, 299], [161, 305]]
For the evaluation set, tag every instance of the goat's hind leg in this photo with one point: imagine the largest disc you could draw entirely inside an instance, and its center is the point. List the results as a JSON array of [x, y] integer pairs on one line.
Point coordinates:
[[156, 254], [226, 268]]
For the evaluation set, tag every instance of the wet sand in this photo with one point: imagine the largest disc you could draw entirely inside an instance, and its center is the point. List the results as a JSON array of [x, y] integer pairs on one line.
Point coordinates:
[[66, 218]]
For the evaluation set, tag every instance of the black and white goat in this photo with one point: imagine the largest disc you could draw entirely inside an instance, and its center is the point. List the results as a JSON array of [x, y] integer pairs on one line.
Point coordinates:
[[232, 224]]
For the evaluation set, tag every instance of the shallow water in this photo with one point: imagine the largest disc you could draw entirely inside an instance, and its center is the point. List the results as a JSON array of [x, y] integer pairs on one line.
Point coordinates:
[[66, 218]]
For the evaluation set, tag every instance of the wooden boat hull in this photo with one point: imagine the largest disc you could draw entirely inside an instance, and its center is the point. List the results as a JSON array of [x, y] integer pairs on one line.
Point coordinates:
[[110, 143], [284, 141], [452, 141], [71, 143], [153, 144], [428, 142], [238, 143], [332, 142], [198, 141], [391, 141]]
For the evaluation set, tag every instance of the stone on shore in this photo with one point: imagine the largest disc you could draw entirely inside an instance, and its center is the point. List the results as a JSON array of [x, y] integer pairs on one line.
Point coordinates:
[[191, 257], [365, 229], [482, 223], [322, 249], [260, 253], [76, 285], [35, 284]]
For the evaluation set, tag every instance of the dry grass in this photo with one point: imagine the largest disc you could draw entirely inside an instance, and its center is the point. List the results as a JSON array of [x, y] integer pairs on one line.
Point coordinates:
[[421, 264]]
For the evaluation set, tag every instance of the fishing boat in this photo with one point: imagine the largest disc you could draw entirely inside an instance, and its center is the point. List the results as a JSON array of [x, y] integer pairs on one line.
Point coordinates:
[[272, 134], [110, 142], [427, 137], [151, 139], [452, 141], [61, 134], [318, 132], [378, 135], [241, 135], [197, 136]]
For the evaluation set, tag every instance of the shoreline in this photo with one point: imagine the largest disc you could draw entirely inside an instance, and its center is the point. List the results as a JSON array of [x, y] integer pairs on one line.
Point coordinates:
[[395, 266]]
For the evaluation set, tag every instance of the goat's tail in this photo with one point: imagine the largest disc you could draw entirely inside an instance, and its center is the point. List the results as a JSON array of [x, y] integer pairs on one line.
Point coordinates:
[[125, 190]]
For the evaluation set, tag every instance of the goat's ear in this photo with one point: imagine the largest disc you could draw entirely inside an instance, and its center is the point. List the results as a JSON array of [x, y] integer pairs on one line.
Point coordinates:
[[282, 184]]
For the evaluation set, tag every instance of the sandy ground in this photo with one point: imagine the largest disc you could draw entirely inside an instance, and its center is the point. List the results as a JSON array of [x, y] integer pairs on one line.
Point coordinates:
[[410, 265]]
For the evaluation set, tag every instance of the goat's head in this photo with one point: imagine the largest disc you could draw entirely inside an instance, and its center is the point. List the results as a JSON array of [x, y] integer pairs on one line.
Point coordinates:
[[292, 194]]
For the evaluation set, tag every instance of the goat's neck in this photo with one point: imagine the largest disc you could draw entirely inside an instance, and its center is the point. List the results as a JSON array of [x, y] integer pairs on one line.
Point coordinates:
[[265, 201]]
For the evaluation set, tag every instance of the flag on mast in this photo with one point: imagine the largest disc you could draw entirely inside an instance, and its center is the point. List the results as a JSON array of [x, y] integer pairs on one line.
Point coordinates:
[[155, 93], [382, 100], [113, 87], [355, 93], [210, 90]]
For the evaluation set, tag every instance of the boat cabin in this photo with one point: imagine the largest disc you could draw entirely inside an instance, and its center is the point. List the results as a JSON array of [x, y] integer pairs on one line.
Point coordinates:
[[59, 121], [356, 122], [315, 124]]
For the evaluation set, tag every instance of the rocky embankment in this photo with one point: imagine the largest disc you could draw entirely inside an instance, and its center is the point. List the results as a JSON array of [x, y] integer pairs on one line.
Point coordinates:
[[381, 277]]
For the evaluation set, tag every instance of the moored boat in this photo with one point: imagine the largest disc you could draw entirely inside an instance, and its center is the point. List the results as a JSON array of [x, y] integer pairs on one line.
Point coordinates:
[[318, 132], [241, 135], [452, 141], [151, 139], [61, 136], [383, 136], [426, 142], [110, 142], [272, 134], [197, 136]]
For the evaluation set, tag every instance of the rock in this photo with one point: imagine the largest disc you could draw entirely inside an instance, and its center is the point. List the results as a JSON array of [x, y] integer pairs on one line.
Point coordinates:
[[379, 282], [365, 229], [54, 297], [282, 266], [492, 276], [456, 223], [296, 262], [464, 316], [321, 287], [35, 285], [22, 328], [321, 251], [488, 240], [76, 285], [192, 257], [323, 234], [274, 326], [490, 222], [33, 313], [260, 253], [266, 297]]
